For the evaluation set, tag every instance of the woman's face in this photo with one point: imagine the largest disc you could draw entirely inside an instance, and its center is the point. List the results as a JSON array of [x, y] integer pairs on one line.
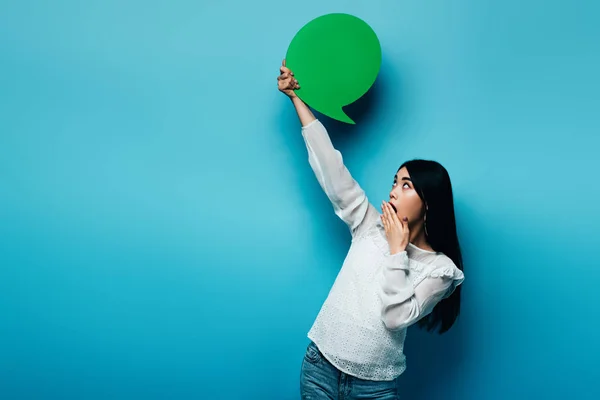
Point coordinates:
[[404, 198]]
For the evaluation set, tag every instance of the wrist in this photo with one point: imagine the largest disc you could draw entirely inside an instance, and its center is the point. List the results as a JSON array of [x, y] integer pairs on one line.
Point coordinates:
[[397, 249]]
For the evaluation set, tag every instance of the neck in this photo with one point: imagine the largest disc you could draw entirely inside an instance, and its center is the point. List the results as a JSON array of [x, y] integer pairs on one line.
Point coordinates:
[[418, 238]]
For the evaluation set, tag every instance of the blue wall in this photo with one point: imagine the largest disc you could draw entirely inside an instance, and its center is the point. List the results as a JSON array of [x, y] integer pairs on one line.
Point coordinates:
[[162, 235]]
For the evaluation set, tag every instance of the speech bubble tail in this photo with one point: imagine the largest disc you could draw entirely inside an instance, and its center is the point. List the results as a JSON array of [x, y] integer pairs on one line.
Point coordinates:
[[340, 115]]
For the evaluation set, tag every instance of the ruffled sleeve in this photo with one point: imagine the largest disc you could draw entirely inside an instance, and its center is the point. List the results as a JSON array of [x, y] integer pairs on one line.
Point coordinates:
[[449, 273]]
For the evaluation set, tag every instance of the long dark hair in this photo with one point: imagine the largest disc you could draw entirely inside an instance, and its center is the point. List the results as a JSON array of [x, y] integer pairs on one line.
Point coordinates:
[[432, 183]]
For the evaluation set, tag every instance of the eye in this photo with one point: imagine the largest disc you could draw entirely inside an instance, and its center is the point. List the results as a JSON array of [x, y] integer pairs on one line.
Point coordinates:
[[406, 185]]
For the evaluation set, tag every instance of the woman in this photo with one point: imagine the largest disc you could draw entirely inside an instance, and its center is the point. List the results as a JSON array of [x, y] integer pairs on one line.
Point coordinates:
[[403, 267]]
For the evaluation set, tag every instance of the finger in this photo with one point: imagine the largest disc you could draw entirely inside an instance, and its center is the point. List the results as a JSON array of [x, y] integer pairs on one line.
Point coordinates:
[[384, 217], [397, 220], [392, 215], [284, 67], [405, 224], [285, 70], [389, 215], [390, 212], [284, 82]]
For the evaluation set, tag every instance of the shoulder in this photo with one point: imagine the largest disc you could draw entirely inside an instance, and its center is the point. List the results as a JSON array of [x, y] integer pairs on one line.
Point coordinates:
[[369, 223], [442, 266]]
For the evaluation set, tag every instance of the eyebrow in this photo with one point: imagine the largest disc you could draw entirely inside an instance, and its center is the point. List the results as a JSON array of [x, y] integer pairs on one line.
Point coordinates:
[[404, 178]]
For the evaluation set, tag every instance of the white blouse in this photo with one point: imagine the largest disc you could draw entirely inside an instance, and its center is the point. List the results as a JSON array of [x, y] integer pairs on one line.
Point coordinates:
[[362, 324]]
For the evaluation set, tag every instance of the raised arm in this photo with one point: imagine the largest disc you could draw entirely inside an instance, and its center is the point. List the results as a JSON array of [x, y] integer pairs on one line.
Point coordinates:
[[349, 200], [347, 197], [304, 114]]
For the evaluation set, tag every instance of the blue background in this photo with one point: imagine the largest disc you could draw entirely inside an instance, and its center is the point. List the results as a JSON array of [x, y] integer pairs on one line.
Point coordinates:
[[163, 237]]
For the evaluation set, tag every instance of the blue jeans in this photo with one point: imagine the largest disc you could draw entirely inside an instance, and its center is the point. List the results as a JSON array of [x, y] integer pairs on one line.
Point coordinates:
[[319, 379]]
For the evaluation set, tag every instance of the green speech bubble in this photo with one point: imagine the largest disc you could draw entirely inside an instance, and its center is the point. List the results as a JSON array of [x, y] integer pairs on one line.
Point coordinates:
[[336, 59]]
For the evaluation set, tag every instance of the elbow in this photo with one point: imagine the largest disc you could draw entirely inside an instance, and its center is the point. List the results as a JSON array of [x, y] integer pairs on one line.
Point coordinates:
[[394, 324], [400, 316]]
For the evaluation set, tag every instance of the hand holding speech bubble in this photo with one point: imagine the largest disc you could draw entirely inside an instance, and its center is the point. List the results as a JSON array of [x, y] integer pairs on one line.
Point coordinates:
[[336, 59]]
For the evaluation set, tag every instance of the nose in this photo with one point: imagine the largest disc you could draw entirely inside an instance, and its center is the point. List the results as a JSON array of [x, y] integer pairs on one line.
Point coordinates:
[[393, 195]]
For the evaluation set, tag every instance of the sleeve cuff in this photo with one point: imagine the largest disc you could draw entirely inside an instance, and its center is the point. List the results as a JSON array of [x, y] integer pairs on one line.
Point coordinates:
[[310, 124], [396, 261]]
